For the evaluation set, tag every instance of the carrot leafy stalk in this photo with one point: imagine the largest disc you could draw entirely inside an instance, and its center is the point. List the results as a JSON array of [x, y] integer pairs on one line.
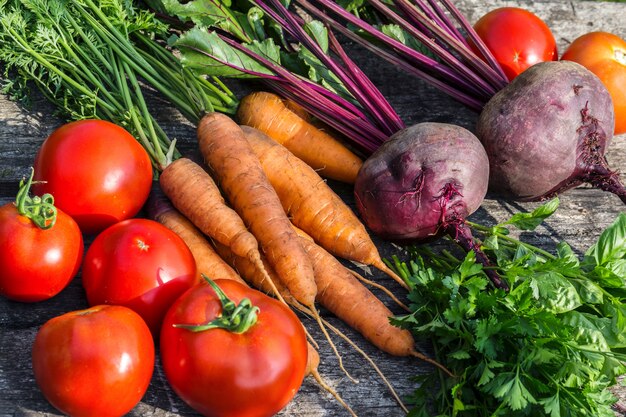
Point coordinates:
[[92, 59]]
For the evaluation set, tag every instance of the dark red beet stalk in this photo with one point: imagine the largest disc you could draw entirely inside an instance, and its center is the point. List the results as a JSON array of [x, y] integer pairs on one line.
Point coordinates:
[[454, 226], [462, 234]]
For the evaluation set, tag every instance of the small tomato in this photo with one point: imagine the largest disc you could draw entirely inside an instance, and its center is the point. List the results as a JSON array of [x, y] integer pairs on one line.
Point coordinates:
[[248, 371], [604, 54], [41, 247], [97, 172], [141, 264], [517, 38], [94, 363]]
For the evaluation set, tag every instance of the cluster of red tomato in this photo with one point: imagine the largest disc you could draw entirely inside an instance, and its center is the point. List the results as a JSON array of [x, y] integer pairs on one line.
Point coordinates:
[[137, 274], [518, 39]]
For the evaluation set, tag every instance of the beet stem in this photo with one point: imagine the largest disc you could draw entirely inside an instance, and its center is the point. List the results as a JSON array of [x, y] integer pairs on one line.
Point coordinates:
[[601, 177], [462, 234]]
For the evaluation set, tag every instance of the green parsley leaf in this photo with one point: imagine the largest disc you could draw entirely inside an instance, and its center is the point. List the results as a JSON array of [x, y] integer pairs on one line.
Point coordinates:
[[530, 221]]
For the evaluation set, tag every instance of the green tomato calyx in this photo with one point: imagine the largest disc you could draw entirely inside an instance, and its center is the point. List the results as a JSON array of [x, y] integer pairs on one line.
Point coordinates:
[[40, 210], [236, 318]]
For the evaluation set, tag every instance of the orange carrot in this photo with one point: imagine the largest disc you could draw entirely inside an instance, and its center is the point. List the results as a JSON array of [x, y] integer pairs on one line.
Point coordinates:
[[240, 176], [365, 313], [208, 262], [264, 280], [194, 193], [313, 360], [297, 109], [313, 206], [268, 113]]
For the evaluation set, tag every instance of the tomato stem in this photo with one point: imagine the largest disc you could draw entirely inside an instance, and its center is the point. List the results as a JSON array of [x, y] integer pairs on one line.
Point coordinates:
[[236, 318], [40, 210]]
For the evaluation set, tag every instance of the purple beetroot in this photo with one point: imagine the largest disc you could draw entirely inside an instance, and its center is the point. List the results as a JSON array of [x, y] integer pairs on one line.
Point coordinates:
[[422, 183], [547, 132]]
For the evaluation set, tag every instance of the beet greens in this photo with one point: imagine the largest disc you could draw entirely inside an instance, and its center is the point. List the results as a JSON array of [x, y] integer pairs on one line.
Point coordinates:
[[300, 60], [426, 39]]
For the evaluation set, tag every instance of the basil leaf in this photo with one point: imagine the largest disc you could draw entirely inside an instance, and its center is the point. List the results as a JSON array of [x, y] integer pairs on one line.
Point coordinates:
[[605, 277], [554, 292], [589, 291], [604, 325], [611, 244]]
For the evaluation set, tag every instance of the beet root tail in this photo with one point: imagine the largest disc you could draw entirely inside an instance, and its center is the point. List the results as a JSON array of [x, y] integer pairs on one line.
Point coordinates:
[[601, 177], [462, 234]]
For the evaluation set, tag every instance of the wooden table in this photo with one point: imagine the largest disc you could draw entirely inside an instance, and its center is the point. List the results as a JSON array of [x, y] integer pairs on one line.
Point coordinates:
[[583, 214]]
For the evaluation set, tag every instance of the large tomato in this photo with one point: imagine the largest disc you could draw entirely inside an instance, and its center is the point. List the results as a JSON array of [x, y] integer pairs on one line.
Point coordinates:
[[96, 171], [96, 362], [517, 38], [222, 373], [141, 264], [604, 54], [40, 249]]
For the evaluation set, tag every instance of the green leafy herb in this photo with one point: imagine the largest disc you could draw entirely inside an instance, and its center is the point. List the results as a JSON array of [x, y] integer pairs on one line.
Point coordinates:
[[610, 247], [550, 347], [530, 221]]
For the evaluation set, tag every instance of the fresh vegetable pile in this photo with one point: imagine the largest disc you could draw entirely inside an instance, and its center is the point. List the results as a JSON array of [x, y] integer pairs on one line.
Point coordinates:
[[515, 330], [473, 73]]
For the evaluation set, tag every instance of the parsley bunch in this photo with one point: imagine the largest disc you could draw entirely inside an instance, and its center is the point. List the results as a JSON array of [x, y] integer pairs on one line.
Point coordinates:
[[552, 346]]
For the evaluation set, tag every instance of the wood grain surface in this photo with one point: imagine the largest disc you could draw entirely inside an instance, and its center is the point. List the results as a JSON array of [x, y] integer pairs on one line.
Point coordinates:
[[583, 214]]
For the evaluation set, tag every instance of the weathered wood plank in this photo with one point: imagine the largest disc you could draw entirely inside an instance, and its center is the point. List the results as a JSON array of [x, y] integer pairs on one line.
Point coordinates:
[[584, 213]]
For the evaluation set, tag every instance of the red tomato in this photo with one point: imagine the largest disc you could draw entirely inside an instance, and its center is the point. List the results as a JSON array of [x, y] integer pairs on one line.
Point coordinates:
[[220, 373], [141, 264], [96, 171], [604, 54], [96, 362], [36, 263], [517, 38]]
